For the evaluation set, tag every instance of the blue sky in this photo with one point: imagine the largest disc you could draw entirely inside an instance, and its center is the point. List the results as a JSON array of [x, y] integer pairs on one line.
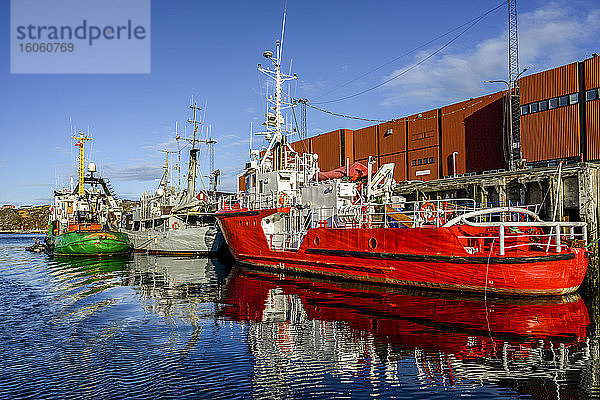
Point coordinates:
[[209, 50]]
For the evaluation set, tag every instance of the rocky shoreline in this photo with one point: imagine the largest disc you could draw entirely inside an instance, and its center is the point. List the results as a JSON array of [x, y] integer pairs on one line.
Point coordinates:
[[30, 219]]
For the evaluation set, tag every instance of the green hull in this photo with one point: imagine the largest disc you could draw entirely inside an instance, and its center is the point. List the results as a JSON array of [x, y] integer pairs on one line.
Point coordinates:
[[95, 243]]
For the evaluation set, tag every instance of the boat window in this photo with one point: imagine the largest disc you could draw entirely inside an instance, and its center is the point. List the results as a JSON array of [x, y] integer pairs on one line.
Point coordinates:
[[420, 162], [552, 103], [430, 160], [563, 101], [591, 95], [543, 105], [533, 107], [260, 186], [574, 98], [525, 109]]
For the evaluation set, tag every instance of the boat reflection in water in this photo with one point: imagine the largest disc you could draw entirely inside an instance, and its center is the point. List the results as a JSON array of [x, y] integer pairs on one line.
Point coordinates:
[[193, 280], [383, 336]]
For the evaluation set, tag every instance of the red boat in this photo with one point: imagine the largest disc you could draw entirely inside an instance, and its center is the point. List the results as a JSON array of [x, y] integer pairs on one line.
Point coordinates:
[[347, 224]]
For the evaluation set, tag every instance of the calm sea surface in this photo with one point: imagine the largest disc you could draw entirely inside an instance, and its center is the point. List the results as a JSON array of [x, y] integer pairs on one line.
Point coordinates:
[[167, 327]]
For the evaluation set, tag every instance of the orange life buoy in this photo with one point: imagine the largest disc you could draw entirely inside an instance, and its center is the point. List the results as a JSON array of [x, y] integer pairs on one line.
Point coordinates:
[[175, 225], [283, 199], [428, 211]]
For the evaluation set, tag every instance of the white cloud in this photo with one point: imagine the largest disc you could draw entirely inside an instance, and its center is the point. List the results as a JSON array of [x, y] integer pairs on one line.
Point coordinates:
[[556, 34], [135, 173]]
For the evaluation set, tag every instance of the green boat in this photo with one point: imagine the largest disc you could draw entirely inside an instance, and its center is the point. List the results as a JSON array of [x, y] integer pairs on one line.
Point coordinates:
[[84, 220], [90, 243]]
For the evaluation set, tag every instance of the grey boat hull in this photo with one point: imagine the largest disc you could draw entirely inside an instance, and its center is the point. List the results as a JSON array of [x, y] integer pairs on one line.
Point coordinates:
[[191, 240]]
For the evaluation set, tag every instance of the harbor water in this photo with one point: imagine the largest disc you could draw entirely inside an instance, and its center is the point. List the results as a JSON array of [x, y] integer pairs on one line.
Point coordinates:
[[167, 327]]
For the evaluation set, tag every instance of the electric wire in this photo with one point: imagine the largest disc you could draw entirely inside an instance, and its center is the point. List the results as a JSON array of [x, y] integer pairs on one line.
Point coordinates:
[[405, 71], [401, 56]]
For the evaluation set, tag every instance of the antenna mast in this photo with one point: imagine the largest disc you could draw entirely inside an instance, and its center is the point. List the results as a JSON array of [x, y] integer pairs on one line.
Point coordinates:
[[514, 114], [274, 122]]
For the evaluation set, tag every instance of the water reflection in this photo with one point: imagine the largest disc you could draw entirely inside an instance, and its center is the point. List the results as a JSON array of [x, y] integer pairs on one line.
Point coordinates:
[[167, 327], [300, 328]]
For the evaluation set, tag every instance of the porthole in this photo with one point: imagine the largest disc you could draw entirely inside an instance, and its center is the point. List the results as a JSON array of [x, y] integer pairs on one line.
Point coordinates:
[[372, 243], [316, 241]]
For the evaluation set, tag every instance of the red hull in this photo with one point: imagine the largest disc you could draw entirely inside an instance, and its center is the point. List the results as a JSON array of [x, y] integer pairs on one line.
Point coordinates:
[[416, 319], [418, 257]]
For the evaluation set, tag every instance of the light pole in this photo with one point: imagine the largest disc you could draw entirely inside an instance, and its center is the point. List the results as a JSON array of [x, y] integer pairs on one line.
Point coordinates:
[[510, 86]]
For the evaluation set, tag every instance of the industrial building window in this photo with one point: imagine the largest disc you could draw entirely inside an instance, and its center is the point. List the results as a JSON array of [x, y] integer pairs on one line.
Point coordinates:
[[543, 105], [591, 95], [533, 107], [525, 109], [563, 101], [552, 103], [574, 98]]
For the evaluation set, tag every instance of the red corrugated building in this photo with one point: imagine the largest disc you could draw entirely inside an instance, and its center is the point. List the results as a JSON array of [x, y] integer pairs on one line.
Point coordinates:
[[471, 139], [550, 123], [592, 107], [560, 119]]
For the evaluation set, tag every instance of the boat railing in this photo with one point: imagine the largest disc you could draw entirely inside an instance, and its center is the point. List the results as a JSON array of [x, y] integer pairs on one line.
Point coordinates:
[[544, 236]]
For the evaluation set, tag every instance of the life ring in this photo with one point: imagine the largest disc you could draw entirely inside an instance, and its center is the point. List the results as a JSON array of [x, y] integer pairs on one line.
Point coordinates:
[[175, 225], [428, 211], [283, 199]]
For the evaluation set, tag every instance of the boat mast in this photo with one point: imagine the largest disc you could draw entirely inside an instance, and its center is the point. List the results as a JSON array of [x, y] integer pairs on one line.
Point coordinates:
[[193, 165], [81, 139], [274, 122]]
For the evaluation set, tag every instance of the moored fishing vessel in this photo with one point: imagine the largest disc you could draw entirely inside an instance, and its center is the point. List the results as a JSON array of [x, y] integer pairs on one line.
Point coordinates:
[[175, 221], [348, 224], [84, 221]]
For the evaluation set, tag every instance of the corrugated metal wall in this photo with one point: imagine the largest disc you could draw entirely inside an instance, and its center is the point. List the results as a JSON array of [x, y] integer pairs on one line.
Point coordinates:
[[592, 73], [328, 147], [399, 160], [392, 137], [425, 170], [592, 127], [423, 130], [348, 142], [547, 84], [365, 142], [551, 134], [302, 146], [592, 109]]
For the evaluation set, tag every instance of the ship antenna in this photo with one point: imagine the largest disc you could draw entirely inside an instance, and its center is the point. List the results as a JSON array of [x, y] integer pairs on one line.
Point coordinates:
[[274, 123]]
